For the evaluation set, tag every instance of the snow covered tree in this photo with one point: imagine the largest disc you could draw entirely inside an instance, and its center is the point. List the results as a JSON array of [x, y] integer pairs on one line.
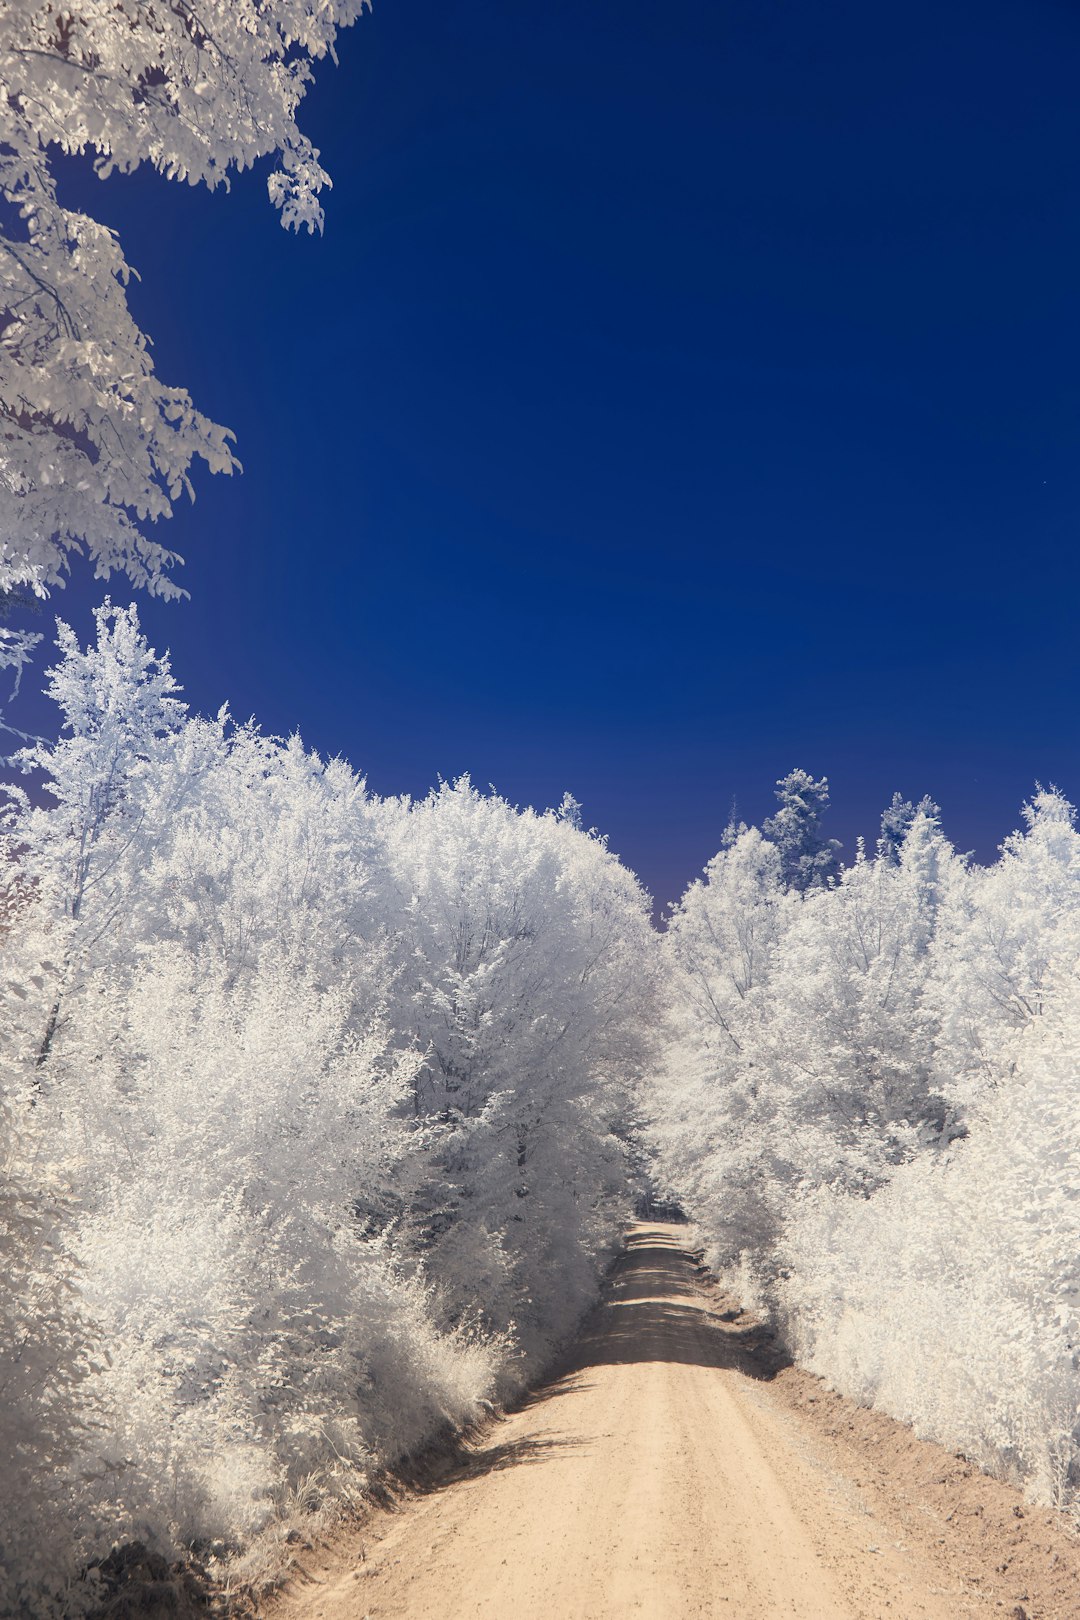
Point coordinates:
[[808, 859], [877, 1127], [849, 1040], [328, 1101], [801, 1045], [713, 1110], [530, 982], [117, 701], [1003, 929], [896, 821], [93, 445]]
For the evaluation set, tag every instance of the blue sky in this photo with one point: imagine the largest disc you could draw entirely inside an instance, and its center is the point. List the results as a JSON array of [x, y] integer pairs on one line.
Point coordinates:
[[678, 394]]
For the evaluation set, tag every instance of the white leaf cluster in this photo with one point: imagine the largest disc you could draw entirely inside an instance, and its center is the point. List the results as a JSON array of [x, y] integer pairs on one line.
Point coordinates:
[[871, 1105], [94, 447], [321, 1106]]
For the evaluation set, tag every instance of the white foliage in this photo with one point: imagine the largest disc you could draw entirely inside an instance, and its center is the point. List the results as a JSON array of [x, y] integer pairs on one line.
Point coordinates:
[[94, 445], [338, 1091], [952, 1298], [714, 1118], [878, 1129], [529, 983], [49, 1354], [801, 1048], [1001, 930]]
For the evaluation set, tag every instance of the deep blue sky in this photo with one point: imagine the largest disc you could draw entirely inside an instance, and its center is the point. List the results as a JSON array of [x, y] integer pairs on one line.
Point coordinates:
[[679, 393]]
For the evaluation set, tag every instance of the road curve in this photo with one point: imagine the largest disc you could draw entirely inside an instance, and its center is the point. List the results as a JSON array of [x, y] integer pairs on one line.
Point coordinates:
[[656, 1478]]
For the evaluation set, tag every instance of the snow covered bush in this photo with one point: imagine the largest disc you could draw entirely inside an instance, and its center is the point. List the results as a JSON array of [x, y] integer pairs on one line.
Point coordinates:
[[330, 1099], [49, 1356], [952, 1297]]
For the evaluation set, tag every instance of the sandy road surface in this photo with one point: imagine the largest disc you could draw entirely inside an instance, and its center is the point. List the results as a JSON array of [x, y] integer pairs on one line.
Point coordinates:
[[659, 1477]]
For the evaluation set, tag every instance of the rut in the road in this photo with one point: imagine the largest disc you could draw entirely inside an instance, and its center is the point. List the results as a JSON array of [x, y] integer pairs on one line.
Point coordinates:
[[658, 1476]]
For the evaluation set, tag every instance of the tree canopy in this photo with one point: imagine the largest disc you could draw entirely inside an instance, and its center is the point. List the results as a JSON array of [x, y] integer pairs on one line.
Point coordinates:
[[95, 447]]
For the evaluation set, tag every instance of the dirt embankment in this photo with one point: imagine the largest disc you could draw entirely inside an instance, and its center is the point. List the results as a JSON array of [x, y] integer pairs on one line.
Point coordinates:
[[676, 1469]]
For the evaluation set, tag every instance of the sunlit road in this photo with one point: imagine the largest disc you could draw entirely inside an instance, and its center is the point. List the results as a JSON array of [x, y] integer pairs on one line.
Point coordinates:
[[657, 1478]]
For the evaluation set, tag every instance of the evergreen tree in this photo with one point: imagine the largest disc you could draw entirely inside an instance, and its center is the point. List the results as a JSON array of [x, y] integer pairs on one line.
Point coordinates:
[[896, 821], [807, 859]]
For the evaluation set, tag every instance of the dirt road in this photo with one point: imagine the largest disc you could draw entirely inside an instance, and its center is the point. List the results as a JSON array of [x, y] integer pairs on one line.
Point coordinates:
[[661, 1477]]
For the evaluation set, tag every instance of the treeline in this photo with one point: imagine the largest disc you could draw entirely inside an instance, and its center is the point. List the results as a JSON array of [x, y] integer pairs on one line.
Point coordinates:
[[317, 1115], [322, 1116], [871, 1105]]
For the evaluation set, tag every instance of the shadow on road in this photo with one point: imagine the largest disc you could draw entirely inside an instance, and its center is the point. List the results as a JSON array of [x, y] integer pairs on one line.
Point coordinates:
[[467, 1462], [652, 1311]]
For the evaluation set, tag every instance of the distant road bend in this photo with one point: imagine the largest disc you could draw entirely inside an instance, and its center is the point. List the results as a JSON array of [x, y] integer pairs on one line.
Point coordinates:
[[661, 1476]]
